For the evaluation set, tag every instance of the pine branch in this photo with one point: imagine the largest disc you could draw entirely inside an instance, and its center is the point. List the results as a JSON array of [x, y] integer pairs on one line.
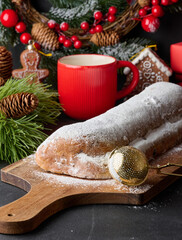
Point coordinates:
[[175, 8], [19, 138], [48, 109], [125, 50], [76, 12]]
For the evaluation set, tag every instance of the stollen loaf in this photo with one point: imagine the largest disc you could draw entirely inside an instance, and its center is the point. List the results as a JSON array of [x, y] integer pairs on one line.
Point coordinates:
[[150, 121]]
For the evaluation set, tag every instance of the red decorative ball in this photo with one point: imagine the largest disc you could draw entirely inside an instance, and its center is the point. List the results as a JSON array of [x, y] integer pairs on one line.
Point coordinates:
[[9, 18], [20, 27], [174, 1], [98, 15], [165, 2], [142, 12], [51, 24], [61, 39], [74, 38], [155, 2], [92, 31], [67, 43], [37, 46], [98, 28], [64, 26], [25, 37], [112, 10], [150, 24], [78, 44], [111, 18], [84, 25], [157, 11]]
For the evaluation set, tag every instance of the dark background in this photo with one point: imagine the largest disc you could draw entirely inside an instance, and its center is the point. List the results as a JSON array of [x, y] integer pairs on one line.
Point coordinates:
[[160, 219]]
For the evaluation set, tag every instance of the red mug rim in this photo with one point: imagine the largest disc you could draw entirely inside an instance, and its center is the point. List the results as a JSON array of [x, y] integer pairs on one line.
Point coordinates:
[[87, 66]]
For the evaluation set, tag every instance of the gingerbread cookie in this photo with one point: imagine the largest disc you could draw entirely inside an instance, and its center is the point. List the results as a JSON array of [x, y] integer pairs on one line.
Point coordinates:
[[30, 60], [151, 68]]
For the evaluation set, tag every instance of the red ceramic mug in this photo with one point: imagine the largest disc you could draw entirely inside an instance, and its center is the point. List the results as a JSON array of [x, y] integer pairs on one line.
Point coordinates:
[[87, 84]]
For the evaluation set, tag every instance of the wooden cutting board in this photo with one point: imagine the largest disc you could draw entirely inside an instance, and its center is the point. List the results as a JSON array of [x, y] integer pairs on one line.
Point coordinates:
[[49, 193]]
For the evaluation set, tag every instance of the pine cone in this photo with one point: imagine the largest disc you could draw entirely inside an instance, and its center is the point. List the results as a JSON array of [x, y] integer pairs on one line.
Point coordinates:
[[2, 81], [105, 38], [46, 37], [144, 3], [18, 105], [6, 63]]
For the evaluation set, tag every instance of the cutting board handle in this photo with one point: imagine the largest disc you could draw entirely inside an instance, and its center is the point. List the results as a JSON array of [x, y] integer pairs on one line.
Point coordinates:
[[26, 213]]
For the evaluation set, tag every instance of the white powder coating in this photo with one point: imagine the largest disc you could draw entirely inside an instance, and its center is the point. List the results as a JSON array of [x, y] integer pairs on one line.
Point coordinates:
[[60, 181], [147, 52], [158, 101], [150, 121]]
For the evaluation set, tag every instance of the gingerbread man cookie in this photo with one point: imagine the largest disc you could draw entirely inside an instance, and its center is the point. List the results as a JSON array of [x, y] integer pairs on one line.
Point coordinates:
[[30, 60]]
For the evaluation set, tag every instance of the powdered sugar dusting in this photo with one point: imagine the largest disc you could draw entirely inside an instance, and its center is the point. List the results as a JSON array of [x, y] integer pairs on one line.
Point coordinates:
[[113, 124], [78, 183]]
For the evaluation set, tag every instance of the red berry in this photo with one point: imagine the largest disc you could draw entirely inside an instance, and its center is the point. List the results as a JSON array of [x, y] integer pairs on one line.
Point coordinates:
[[9, 18], [61, 39], [157, 11], [98, 15], [84, 25], [25, 37], [174, 1], [37, 46], [150, 24], [92, 31], [20, 27], [64, 26], [78, 44], [165, 2], [51, 24], [111, 18], [98, 28], [74, 38], [67, 43], [142, 12], [112, 10], [146, 8], [155, 2]]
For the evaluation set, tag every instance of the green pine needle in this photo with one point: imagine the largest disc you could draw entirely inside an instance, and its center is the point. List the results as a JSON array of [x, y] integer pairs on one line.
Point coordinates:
[[48, 109], [19, 138]]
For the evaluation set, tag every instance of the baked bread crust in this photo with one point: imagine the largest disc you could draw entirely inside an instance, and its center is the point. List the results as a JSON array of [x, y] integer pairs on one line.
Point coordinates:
[[150, 121]]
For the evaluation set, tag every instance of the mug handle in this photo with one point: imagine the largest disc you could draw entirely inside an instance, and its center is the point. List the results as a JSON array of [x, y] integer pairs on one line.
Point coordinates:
[[125, 91]]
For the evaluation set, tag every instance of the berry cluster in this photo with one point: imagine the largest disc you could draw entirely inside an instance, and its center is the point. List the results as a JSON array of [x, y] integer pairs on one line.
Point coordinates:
[[98, 18], [63, 39], [95, 28], [9, 18], [149, 15]]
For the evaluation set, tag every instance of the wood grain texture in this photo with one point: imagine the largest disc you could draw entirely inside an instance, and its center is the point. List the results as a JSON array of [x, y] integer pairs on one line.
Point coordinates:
[[45, 197]]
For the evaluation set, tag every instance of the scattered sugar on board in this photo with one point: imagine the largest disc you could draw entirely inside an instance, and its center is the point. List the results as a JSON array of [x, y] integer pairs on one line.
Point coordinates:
[[61, 180]]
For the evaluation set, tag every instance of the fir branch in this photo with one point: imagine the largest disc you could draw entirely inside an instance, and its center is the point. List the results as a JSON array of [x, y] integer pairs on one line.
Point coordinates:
[[125, 50], [175, 8], [48, 109], [75, 14], [19, 138]]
